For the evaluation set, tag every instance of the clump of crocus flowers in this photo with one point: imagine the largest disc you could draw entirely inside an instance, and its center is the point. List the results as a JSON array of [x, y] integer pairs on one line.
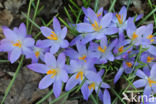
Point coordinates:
[[104, 37]]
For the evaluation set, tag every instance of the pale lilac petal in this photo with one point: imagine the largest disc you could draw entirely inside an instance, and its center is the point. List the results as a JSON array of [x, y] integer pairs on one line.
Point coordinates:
[[106, 20], [5, 45], [91, 15], [15, 54], [147, 90], [46, 31], [118, 75], [27, 51], [84, 27], [141, 74], [57, 88], [101, 72], [103, 42], [141, 30], [45, 43], [90, 74], [64, 44], [56, 25], [81, 48], [9, 34], [154, 87], [61, 59], [50, 59], [85, 91], [89, 37], [153, 72], [63, 33], [131, 27], [71, 53], [110, 30], [78, 38], [71, 83], [28, 42], [106, 97], [46, 82], [54, 48], [22, 30], [105, 85], [140, 83], [152, 50], [63, 76], [149, 29], [123, 12], [39, 68]]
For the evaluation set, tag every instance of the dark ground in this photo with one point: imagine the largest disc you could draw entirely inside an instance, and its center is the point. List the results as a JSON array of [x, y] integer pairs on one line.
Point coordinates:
[[24, 90]]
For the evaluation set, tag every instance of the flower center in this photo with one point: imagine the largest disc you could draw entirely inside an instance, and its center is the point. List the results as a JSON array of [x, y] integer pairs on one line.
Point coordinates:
[[150, 59], [150, 37], [120, 18], [52, 71], [37, 54], [98, 14], [53, 36], [92, 86], [83, 58], [101, 49], [121, 49], [134, 36], [129, 64], [79, 75], [96, 27], [151, 82], [17, 44]]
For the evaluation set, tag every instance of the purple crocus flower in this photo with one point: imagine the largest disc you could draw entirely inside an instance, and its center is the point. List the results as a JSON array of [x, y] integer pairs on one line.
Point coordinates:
[[104, 51], [54, 70], [80, 71], [135, 34], [16, 42], [96, 29], [82, 53], [37, 52], [149, 82], [148, 58], [55, 39]]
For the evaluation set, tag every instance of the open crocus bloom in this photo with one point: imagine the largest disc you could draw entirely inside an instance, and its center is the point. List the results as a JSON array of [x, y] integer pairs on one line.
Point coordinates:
[[16, 42], [149, 82], [54, 70], [55, 39]]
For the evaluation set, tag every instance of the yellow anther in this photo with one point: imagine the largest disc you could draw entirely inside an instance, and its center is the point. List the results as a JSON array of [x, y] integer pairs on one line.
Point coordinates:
[[120, 18], [150, 59], [96, 27], [151, 82], [79, 75], [101, 49], [83, 58], [121, 49], [134, 36], [129, 64], [37, 54], [52, 71], [149, 36], [91, 86], [18, 44], [98, 14], [53, 36], [152, 40]]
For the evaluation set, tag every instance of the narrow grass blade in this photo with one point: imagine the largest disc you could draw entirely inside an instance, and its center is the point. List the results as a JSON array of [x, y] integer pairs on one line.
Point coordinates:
[[96, 5], [3, 61], [112, 6]]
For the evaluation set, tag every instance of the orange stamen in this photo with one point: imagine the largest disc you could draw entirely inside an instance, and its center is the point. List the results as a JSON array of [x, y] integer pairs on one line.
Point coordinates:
[[129, 64], [98, 14], [53, 36], [151, 82], [101, 49], [120, 19], [91, 86], [96, 27], [149, 59], [121, 49], [37, 54], [79, 75], [52, 71], [18, 44], [83, 58], [134, 36]]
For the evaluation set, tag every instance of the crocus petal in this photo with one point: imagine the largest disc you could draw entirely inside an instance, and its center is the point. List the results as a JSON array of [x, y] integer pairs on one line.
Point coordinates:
[[141, 30], [110, 30], [61, 59], [22, 30], [140, 74], [106, 20], [140, 83], [39, 68], [152, 50], [106, 97], [118, 75], [90, 74], [153, 72], [147, 90], [105, 85], [84, 27], [89, 37], [45, 43], [154, 87], [15, 54], [73, 42], [56, 25], [71, 53], [64, 44], [103, 42], [91, 15], [45, 31], [149, 29], [71, 83], [9, 34], [50, 59], [28, 42], [27, 51], [81, 48], [101, 72], [131, 27], [57, 88], [123, 12], [5, 45], [63, 33], [46, 82], [63, 76], [54, 48], [85, 91]]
